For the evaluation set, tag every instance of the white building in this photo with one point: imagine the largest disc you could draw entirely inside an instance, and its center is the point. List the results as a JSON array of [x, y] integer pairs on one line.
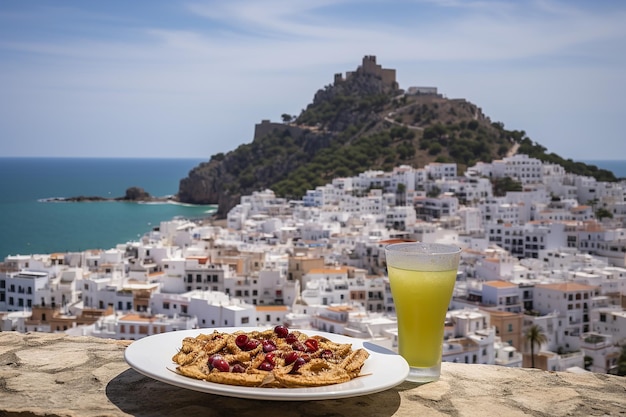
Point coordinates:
[[468, 338], [601, 352], [133, 326]]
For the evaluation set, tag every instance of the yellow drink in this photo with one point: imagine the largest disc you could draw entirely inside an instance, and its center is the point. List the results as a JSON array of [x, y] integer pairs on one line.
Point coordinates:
[[422, 277], [421, 299]]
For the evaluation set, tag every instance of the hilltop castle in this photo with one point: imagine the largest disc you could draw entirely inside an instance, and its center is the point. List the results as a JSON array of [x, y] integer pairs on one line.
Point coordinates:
[[370, 67]]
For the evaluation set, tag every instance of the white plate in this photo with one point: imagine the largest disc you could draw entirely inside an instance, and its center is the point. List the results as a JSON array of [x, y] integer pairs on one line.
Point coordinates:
[[152, 356]]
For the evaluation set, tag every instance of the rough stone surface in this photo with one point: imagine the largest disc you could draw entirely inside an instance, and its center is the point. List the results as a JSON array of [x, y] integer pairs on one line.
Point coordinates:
[[56, 375]]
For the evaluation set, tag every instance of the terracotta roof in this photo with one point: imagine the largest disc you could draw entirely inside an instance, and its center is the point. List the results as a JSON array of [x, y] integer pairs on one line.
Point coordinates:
[[499, 284], [339, 270], [271, 308], [567, 286], [137, 317]]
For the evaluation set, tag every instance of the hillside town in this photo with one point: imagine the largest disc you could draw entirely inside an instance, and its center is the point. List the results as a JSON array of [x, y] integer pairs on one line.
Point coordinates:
[[550, 256]]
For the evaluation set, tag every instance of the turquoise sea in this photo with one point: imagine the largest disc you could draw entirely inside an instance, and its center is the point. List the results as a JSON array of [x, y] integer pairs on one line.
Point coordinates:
[[29, 226]]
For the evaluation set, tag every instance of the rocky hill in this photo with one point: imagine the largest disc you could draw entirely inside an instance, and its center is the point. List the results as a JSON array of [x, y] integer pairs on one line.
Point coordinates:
[[362, 121]]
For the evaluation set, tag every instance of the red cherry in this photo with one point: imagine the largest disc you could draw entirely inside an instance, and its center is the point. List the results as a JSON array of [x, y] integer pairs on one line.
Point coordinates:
[[271, 358], [281, 331], [299, 346], [241, 341], [291, 357], [297, 364], [266, 366], [311, 345], [238, 368], [221, 365], [291, 338], [268, 346], [213, 358], [327, 354], [252, 344]]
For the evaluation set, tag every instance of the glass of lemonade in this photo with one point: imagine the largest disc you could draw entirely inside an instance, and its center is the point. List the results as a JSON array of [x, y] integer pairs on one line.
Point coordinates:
[[422, 277]]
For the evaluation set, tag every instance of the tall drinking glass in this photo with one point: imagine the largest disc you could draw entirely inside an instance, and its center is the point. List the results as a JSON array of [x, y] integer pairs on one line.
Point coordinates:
[[422, 277]]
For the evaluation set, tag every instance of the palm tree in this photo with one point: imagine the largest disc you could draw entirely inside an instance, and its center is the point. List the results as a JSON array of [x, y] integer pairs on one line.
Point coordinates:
[[535, 335]]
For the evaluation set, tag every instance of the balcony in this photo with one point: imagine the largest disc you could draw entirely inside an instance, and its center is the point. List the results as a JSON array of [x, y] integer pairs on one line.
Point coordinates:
[[58, 375]]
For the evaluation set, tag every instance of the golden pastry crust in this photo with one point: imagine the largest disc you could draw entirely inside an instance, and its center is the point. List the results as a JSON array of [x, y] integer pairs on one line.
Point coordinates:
[[265, 359]]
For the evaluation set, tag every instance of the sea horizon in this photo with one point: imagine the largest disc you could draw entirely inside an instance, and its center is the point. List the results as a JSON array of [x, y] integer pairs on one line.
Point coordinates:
[[617, 166]]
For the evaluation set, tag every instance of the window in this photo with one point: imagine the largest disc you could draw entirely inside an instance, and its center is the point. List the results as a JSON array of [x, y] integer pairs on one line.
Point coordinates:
[[245, 320], [510, 327]]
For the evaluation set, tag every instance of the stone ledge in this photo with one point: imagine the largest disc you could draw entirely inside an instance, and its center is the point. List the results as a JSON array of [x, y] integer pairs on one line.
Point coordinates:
[[43, 374]]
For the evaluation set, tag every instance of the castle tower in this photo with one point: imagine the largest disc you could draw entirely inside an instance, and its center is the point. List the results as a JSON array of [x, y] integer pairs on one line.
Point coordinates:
[[370, 67]]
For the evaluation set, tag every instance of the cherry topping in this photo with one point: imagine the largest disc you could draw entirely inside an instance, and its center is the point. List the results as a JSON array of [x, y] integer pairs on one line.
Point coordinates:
[[291, 357], [291, 338], [268, 346], [299, 346], [271, 358], [327, 354], [241, 341], [238, 368], [251, 344], [221, 365], [281, 331], [213, 358], [297, 364], [311, 345], [266, 366]]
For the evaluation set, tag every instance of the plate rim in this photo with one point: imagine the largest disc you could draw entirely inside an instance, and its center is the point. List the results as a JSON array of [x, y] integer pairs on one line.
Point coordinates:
[[135, 357]]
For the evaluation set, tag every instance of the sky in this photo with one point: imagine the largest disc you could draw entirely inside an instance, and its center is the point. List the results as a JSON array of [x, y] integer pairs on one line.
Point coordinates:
[[189, 79]]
